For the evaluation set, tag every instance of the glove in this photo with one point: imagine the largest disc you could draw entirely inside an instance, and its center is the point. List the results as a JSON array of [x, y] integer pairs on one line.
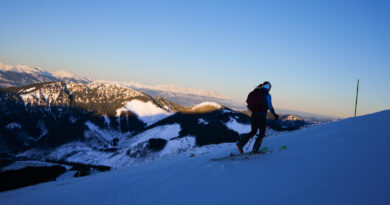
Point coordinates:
[[276, 116]]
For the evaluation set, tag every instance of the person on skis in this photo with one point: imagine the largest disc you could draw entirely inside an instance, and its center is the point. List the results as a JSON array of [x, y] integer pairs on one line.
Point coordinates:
[[259, 102]]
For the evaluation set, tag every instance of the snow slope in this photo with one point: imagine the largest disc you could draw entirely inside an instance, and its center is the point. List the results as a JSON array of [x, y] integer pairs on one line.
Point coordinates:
[[148, 112], [345, 162], [74, 77]]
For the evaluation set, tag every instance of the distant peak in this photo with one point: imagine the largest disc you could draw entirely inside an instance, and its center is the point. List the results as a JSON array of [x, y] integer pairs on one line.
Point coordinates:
[[20, 68], [204, 107], [63, 74], [207, 104], [176, 89]]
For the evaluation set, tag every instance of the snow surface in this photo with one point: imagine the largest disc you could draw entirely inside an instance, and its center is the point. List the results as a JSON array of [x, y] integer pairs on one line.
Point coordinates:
[[145, 111], [22, 164], [43, 128], [82, 153], [14, 125], [21, 69], [63, 74], [95, 131], [227, 111], [202, 121], [166, 132], [106, 120], [72, 119], [27, 90], [178, 145], [240, 128], [345, 162], [30, 96]]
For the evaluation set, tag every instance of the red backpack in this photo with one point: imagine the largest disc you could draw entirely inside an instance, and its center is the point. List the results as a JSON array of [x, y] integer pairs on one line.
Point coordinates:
[[257, 100]]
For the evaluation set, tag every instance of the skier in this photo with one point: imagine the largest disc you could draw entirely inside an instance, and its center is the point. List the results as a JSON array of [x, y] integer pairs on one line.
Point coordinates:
[[259, 101]]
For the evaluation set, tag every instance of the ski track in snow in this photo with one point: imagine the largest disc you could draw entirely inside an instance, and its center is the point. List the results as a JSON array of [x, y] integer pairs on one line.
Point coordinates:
[[346, 162]]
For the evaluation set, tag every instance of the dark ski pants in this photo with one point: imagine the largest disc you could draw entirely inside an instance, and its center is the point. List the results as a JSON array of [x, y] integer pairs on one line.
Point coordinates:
[[258, 122]]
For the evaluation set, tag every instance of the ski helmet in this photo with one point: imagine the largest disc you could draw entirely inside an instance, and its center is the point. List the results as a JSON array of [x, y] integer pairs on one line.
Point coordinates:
[[267, 85]]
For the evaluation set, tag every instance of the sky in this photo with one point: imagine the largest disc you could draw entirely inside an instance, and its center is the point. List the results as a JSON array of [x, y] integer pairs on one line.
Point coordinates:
[[312, 52]]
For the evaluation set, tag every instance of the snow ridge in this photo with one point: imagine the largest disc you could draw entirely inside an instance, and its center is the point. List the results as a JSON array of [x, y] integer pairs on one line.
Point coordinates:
[[204, 104], [175, 89]]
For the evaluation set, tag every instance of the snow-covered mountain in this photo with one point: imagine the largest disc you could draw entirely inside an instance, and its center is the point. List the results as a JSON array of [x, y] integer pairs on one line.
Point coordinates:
[[326, 164], [20, 75], [12, 76], [82, 122], [175, 89], [72, 77], [184, 96], [108, 124], [53, 114]]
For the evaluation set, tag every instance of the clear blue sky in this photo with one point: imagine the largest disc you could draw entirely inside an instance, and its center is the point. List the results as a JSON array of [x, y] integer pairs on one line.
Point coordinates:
[[311, 51]]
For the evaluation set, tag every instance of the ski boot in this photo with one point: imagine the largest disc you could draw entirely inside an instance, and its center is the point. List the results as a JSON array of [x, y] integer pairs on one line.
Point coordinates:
[[239, 148]]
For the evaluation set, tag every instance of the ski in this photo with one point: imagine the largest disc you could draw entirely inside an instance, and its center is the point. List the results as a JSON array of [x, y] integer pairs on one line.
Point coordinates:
[[247, 155], [234, 156]]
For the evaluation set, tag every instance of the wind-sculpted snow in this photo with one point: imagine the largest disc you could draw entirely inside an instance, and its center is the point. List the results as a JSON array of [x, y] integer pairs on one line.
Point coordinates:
[[346, 162]]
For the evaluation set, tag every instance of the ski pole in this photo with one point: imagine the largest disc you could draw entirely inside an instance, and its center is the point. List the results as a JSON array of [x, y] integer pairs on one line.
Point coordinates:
[[250, 142]]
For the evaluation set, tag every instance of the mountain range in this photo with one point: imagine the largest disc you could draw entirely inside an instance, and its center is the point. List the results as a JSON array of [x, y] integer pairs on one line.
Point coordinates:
[[20, 75], [72, 119], [57, 120]]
